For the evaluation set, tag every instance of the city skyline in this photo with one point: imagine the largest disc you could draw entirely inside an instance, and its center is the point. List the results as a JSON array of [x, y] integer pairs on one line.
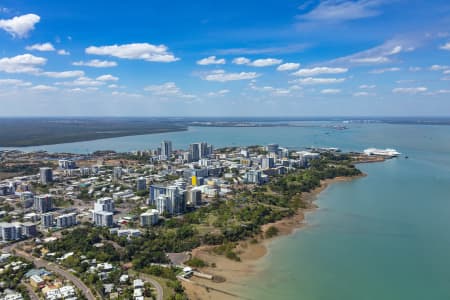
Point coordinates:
[[288, 58]]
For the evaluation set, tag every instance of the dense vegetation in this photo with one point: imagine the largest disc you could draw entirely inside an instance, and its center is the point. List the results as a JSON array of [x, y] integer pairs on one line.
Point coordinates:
[[20, 132]]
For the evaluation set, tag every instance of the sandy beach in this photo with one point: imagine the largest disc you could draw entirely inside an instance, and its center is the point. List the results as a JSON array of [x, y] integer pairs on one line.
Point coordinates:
[[236, 273]]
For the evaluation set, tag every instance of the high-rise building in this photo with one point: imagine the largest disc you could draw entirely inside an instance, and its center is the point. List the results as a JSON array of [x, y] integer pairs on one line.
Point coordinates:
[[141, 184], [102, 218], [29, 229], [267, 163], [67, 164], [66, 220], [103, 212], [10, 231], [172, 201], [27, 199], [47, 220], [149, 218], [193, 197], [194, 151], [117, 173], [154, 192], [272, 148], [46, 175], [43, 203], [104, 204], [166, 149]]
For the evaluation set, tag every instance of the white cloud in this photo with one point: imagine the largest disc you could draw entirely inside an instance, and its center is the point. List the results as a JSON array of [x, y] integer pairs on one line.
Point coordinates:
[[45, 47], [241, 61], [414, 69], [339, 11], [222, 76], [330, 91], [438, 67], [378, 55], [124, 94], [211, 60], [20, 26], [218, 93], [265, 62], [367, 86], [96, 63], [25, 63], [362, 94], [82, 81], [319, 71], [107, 77], [43, 88], [113, 86], [445, 47], [168, 89], [288, 67], [63, 52], [381, 71], [142, 51], [447, 72], [63, 74], [410, 90], [14, 82], [312, 80], [262, 62], [293, 48]]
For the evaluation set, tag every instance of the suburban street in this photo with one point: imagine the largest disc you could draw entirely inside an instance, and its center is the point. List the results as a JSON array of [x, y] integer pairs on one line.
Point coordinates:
[[39, 263]]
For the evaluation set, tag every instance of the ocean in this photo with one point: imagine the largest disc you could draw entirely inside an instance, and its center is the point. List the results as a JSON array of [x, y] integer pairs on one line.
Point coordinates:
[[383, 236]]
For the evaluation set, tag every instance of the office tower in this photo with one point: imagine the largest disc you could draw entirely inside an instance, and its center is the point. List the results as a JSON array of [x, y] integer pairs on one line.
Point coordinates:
[[47, 220], [43, 203], [117, 173], [194, 151], [193, 197], [103, 218], [166, 149], [141, 184], [149, 218], [104, 204], [267, 163], [46, 175]]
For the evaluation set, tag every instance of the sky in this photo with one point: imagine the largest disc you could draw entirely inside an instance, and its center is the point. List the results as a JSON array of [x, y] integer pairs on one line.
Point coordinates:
[[225, 58]]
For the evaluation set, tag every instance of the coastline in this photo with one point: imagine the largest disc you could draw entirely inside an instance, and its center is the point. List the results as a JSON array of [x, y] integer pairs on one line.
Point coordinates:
[[235, 273]]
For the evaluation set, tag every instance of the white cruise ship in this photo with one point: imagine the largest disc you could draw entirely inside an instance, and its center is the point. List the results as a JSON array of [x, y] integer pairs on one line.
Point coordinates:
[[382, 152]]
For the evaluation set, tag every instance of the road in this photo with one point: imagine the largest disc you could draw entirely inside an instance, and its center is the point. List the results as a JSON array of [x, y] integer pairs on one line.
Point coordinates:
[[31, 293], [159, 289], [63, 273]]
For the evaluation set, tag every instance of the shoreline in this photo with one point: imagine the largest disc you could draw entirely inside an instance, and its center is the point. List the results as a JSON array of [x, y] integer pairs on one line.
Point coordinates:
[[251, 254]]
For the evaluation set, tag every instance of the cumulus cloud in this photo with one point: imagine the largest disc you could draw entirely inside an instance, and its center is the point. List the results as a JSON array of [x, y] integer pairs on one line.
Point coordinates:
[[218, 93], [141, 51], [438, 67], [20, 26], [43, 88], [262, 62], [13, 82], [25, 63], [222, 76], [288, 67], [96, 63], [367, 86], [313, 80], [410, 90], [83, 82], [319, 70], [168, 89], [445, 46], [211, 60], [241, 61], [107, 77], [330, 91], [63, 52], [63, 74], [45, 47], [362, 94]]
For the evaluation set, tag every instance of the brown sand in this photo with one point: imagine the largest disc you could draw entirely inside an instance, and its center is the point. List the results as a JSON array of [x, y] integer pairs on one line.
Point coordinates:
[[234, 272]]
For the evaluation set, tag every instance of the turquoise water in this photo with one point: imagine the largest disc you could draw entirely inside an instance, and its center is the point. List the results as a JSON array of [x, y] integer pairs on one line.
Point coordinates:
[[384, 236]]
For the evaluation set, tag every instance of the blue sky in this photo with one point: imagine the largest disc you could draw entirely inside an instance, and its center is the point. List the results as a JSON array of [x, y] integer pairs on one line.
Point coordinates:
[[227, 58]]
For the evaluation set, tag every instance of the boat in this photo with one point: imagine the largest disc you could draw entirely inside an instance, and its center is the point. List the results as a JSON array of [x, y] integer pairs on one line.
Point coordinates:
[[382, 152]]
